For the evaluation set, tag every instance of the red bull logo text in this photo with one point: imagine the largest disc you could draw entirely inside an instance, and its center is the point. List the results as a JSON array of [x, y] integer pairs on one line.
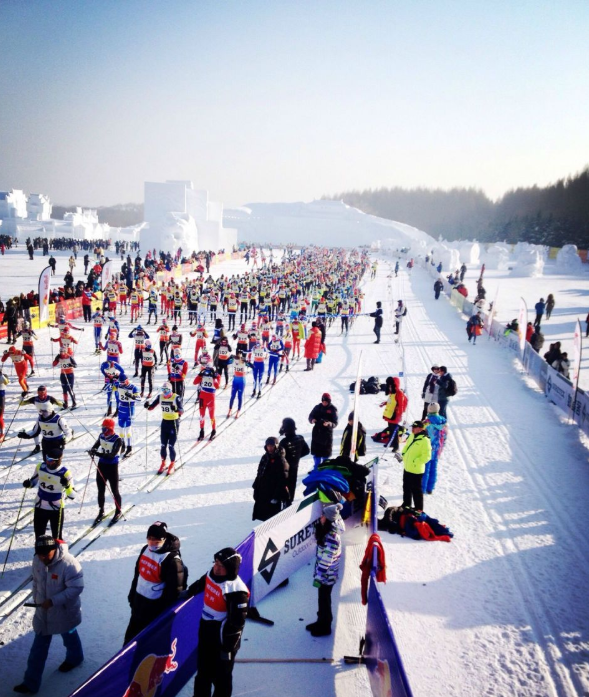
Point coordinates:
[[150, 673]]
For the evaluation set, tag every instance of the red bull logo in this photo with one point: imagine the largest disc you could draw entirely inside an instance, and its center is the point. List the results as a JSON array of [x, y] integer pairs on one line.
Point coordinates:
[[380, 679], [150, 673]]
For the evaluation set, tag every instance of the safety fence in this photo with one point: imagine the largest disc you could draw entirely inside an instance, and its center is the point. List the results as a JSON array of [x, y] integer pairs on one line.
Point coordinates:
[[559, 390], [163, 657]]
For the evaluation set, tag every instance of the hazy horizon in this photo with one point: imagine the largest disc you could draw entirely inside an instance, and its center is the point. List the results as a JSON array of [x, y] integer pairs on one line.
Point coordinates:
[[285, 102]]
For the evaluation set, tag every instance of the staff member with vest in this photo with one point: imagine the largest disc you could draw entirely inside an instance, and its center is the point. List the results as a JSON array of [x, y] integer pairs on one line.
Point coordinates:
[[226, 600], [158, 579], [416, 454]]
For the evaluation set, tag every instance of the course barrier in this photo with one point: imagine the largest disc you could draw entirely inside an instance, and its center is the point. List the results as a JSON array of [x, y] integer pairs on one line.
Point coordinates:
[[559, 390]]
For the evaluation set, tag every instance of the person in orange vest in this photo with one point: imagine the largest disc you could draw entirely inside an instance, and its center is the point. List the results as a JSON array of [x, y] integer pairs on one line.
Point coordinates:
[[226, 601], [20, 360], [159, 578]]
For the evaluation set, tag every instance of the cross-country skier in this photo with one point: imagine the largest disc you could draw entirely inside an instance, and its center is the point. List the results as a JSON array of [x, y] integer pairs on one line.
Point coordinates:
[[54, 480], [98, 321], [223, 358], [66, 363], [113, 372], [164, 333], [152, 305], [28, 337], [177, 371], [52, 428], [201, 336], [20, 360], [148, 366], [257, 357], [107, 448], [3, 382], [172, 410], [139, 335], [128, 395], [208, 381], [112, 346], [275, 352], [240, 367]]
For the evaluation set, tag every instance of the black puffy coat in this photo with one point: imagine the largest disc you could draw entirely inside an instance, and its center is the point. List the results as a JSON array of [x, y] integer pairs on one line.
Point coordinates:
[[322, 436], [295, 447], [270, 484]]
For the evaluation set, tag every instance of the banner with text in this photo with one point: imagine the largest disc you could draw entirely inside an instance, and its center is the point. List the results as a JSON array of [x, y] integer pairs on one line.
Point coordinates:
[[283, 544], [106, 276]]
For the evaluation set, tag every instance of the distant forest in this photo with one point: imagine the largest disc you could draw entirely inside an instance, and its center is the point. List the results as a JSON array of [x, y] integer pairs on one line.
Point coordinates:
[[121, 215], [554, 215]]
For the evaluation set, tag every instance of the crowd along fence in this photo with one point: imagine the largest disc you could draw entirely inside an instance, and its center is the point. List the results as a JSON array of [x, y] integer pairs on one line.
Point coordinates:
[[571, 400]]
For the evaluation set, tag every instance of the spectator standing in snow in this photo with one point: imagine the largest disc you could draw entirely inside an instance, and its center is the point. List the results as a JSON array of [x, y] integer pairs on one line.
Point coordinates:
[[462, 272], [377, 314], [328, 531], [400, 312], [529, 331], [324, 419], [346, 442], [416, 454], [158, 580], [271, 483], [549, 305], [540, 307], [436, 427], [562, 364], [474, 327], [553, 353], [438, 288], [444, 382], [295, 447], [537, 340], [58, 582], [429, 393]]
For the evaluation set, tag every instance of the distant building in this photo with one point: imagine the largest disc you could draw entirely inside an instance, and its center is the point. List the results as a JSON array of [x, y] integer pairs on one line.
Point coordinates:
[[39, 207], [13, 204], [177, 215]]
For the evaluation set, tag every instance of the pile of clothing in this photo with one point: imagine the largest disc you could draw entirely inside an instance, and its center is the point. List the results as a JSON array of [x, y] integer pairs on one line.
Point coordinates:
[[417, 525]]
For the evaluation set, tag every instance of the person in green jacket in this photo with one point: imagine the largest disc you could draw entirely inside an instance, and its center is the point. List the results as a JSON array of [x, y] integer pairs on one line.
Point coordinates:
[[416, 454]]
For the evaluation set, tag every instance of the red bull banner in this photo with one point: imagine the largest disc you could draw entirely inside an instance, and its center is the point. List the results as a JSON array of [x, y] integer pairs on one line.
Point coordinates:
[[163, 657]]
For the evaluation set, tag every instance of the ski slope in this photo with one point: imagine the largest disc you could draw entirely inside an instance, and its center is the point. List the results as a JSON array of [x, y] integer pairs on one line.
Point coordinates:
[[500, 610]]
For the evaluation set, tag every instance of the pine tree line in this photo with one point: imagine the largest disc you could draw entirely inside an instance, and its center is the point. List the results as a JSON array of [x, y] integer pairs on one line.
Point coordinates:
[[554, 215]]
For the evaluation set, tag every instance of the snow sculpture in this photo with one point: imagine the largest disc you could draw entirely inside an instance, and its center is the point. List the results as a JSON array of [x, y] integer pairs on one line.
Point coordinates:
[[449, 257], [530, 263], [568, 259], [496, 257], [470, 253]]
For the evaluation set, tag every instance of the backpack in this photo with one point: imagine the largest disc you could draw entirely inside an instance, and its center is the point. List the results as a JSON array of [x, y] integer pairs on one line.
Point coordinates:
[[451, 387], [372, 386]]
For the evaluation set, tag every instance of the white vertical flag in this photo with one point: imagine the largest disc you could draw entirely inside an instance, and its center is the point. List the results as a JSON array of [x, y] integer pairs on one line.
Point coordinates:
[[522, 320], [106, 275], [356, 395], [577, 349], [44, 291]]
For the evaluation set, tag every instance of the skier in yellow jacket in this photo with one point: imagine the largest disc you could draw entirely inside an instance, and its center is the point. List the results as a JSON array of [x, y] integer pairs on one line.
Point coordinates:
[[416, 454]]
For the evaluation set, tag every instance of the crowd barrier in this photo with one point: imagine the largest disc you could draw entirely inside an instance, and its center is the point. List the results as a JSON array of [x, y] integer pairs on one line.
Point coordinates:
[[558, 389]]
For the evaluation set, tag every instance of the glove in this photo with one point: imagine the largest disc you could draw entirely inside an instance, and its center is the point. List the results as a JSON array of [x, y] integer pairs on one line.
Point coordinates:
[[146, 405], [399, 457], [22, 434], [423, 395], [60, 403], [27, 484], [71, 437], [83, 329]]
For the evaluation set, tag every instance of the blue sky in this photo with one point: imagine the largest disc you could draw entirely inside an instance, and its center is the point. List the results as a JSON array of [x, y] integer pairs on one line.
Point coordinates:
[[283, 101]]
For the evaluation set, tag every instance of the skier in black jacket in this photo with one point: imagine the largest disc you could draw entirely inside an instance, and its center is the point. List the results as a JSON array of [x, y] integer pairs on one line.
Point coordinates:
[[226, 600], [158, 581], [295, 447], [346, 442]]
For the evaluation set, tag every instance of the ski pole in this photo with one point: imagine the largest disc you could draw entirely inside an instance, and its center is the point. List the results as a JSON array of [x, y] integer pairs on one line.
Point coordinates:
[[12, 421], [10, 468], [146, 449], [86, 485], [13, 531]]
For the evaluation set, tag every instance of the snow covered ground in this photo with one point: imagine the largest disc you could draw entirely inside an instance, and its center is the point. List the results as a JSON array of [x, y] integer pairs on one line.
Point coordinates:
[[500, 610]]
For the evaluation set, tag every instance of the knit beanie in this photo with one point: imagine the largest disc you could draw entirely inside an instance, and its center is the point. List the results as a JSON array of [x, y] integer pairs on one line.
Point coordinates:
[[44, 544], [433, 408], [332, 512], [158, 530]]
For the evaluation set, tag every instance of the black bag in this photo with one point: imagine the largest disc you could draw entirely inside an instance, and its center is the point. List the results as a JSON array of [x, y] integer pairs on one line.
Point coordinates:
[[372, 385], [451, 387]]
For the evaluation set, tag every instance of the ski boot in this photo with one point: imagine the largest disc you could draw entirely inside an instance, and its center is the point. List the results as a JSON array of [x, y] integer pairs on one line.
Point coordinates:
[[162, 466], [65, 404], [237, 414], [136, 374], [141, 395], [31, 373], [148, 396], [268, 380], [2, 436], [229, 413], [36, 449], [117, 516], [259, 394], [254, 393], [274, 381], [128, 452], [99, 518], [108, 411], [286, 369], [74, 404], [213, 434], [116, 412], [201, 435], [170, 469], [280, 369], [24, 393]]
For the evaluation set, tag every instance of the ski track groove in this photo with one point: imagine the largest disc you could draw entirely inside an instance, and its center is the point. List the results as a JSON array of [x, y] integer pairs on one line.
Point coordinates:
[[549, 646]]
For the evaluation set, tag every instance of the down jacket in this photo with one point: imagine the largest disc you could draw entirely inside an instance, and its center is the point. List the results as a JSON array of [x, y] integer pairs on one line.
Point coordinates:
[[62, 582], [322, 436], [313, 343], [395, 405], [417, 453], [329, 553]]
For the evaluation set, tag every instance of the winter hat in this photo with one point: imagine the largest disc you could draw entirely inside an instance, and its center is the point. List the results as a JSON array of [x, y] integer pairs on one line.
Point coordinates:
[[326, 397], [288, 426], [231, 560], [332, 512], [351, 416], [417, 424], [433, 408], [44, 544], [158, 530], [271, 440]]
